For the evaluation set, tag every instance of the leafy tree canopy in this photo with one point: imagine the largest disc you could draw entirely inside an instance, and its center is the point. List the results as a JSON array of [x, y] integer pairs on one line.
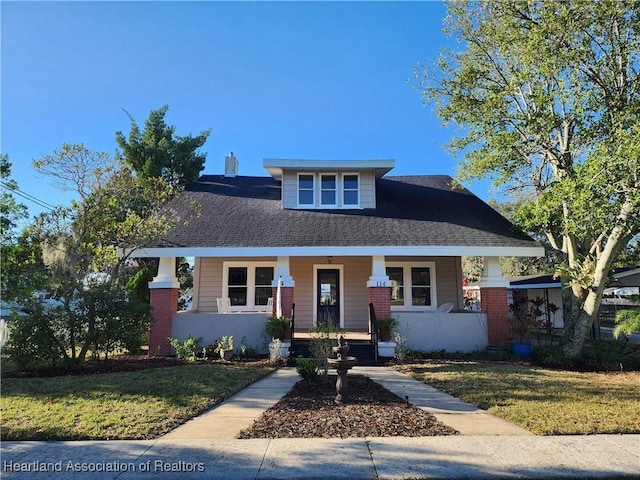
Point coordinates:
[[158, 152], [548, 95]]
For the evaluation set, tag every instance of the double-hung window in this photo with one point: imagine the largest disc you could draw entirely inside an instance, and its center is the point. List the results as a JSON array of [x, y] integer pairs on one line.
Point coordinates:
[[328, 190], [412, 285], [306, 189], [351, 190], [248, 286]]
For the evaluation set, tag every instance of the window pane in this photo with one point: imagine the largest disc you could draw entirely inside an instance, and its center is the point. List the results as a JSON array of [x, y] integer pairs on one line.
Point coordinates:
[[238, 295], [420, 276], [421, 296], [264, 276], [328, 197], [350, 198], [262, 295], [238, 276], [350, 182], [397, 289], [305, 182], [305, 197], [328, 182]]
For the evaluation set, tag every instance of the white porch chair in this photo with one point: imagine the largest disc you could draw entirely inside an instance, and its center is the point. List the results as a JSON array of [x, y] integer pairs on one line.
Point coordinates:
[[268, 308], [445, 307], [224, 305]]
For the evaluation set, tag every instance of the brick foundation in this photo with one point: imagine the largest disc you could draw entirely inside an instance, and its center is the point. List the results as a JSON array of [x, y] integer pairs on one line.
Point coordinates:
[[164, 303], [493, 302], [381, 299]]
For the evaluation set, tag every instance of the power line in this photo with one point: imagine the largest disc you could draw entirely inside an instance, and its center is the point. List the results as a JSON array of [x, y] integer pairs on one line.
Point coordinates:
[[27, 196]]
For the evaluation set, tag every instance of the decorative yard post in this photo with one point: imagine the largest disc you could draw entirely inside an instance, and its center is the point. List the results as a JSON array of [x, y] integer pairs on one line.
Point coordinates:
[[287, 286], [379, 287], [164, 304], [493, 301]]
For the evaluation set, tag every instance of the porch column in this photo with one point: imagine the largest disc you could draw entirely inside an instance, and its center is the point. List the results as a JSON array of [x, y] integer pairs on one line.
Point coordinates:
[[287, 288], [164, 304], [493, 301], [379, 287]]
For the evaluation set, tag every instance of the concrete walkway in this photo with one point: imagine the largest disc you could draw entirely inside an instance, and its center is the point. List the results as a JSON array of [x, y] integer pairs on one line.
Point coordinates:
[[205, 447]]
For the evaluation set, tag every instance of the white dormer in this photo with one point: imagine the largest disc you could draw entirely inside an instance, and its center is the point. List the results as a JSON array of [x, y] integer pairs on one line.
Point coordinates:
[[328, 184]]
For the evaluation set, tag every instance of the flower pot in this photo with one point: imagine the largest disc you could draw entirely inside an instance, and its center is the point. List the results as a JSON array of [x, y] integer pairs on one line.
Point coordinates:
[[226, 355], [522, 349], [387, 349], [279, 349]]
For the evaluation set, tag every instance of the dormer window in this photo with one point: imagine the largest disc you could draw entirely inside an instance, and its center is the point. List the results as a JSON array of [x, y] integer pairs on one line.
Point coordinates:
[[306, 189], [328, 190], [351, 189]]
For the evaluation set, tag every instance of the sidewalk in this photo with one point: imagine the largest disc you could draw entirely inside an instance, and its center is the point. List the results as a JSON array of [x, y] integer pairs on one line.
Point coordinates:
[[204, 448]]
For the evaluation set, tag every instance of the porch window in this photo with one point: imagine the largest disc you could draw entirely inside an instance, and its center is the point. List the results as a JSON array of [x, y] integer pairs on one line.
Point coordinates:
[[412, 285], [248, 286]]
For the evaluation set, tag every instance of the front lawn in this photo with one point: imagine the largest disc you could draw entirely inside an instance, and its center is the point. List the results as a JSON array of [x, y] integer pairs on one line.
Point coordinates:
[[131, 405], [543, 401]]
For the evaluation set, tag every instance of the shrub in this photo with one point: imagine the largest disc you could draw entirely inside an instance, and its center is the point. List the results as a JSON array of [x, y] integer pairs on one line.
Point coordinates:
[[307, 369], [278, 327], [247, 351], [323, 339], [187, 350]]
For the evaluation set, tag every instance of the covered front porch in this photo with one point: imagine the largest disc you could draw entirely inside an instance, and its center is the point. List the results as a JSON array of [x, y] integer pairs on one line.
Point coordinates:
[[332, 289]]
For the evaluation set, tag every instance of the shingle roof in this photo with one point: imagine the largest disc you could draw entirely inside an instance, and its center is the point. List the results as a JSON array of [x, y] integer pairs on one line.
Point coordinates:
[[411, 211]]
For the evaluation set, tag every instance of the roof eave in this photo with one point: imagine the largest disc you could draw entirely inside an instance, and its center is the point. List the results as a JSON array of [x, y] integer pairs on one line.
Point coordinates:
[[362, 251]]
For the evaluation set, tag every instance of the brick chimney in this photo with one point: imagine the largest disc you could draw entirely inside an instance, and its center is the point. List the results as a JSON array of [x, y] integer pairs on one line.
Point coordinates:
[[230, 165]]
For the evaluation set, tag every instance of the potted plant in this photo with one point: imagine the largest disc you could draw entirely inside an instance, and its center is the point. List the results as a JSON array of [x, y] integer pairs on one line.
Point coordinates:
[[522, 323], [386, 345], [279, 330], [225, 347]]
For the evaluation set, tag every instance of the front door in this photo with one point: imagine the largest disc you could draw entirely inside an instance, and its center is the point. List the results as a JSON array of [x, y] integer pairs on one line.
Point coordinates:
[[328, 297]]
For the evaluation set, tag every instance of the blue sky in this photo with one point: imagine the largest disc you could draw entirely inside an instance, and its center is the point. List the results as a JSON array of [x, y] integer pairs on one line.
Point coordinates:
[[319, 80]]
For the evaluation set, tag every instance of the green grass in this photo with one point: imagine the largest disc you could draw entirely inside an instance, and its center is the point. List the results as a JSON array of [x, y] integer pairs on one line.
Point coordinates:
[[131, 405], [543, 401]]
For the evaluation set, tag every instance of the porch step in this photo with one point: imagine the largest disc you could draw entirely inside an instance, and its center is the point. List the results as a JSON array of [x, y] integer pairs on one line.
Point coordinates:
[[362, 350]]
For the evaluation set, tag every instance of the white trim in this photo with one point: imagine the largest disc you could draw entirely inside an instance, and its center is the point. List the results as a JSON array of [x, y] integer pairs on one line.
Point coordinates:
[[626, 273], [197, 272], [327, 266], [166, 277], [337, 251], [251, 283], [379, 277], [407, 285], [275, 167]]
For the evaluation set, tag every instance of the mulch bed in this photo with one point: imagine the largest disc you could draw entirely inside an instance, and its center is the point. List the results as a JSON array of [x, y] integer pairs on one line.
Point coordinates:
[[309, 411]]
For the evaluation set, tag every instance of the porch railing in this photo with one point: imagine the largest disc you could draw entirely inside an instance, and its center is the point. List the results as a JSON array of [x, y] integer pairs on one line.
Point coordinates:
[[373, 323], [293, 322]]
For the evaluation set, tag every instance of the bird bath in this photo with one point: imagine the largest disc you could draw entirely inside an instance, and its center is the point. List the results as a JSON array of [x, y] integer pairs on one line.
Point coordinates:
[[342, 363]]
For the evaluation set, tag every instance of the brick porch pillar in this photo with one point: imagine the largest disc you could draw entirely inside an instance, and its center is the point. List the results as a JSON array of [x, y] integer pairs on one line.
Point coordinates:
[[164, 304], [379, 287], [286, 299], [493, 302]]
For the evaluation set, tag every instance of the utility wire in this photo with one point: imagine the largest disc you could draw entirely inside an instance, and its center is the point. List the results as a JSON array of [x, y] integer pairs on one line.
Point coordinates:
[[27, 196]]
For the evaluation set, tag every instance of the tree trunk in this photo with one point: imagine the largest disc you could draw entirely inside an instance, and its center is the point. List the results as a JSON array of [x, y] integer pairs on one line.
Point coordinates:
[[578, 321]]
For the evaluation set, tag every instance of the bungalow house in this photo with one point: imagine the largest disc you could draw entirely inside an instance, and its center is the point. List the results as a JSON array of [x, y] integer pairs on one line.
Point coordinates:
[[338, 236]]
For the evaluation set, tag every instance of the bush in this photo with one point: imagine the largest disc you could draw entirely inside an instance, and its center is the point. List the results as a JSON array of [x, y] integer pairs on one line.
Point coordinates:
[[247, 351], [187, 350], [278, 327], [307, 369], [323, 339]]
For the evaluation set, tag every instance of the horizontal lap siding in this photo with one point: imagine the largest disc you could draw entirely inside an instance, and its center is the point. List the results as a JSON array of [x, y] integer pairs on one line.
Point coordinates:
[[357, 271]]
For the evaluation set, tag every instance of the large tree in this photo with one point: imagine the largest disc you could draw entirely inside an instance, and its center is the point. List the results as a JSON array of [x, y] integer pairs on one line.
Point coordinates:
[[87, 247], [157, 151], [547, 95]]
